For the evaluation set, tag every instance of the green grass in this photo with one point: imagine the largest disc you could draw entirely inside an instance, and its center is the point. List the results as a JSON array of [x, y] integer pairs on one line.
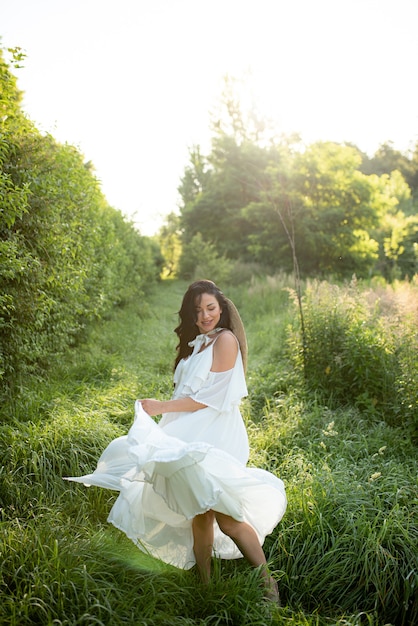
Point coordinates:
[[344, 554]]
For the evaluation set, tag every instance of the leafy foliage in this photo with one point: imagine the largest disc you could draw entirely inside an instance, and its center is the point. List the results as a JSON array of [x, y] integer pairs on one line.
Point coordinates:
[[357, 352], [200, 259], [170, 245], [65, 255], [258, 197]]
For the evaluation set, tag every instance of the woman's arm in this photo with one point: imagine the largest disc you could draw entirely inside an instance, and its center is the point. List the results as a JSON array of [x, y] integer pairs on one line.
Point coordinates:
[[155, 407]]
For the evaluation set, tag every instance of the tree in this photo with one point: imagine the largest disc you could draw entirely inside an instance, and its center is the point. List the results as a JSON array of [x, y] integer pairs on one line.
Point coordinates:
[[260, 197], [169, 238], [214, 190], [397, 232], [316, 204], [195, 178], [335, 211], [200, 259], [235, 171], [387, 160]]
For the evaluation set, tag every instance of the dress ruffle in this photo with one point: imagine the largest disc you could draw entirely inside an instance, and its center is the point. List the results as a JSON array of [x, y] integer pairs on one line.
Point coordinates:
[[164, 482]]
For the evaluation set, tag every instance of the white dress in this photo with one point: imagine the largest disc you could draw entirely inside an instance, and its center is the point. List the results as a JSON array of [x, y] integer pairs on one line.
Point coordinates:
[[188, 463]]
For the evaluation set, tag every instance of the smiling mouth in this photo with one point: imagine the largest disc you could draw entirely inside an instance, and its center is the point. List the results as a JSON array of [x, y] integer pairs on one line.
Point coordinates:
[[207, 323]]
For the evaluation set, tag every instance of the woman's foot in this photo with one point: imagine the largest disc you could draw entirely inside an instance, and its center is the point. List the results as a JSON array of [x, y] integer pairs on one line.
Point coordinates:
[[271, 591]]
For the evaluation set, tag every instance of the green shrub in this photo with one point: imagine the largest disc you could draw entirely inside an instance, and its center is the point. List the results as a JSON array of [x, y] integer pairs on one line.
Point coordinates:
[[199, 259], [66, 257], [244, 272], [356, 354]]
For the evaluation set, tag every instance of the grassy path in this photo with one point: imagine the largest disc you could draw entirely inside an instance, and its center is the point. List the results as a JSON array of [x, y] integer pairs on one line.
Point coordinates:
[[61, 562], [345, 553]]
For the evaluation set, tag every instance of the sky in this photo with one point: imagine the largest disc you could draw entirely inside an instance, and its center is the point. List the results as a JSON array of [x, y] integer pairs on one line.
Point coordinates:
[[132, 83]]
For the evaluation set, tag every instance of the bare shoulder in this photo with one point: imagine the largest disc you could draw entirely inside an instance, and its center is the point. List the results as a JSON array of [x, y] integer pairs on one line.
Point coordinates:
[[227, 339], [225, 351]]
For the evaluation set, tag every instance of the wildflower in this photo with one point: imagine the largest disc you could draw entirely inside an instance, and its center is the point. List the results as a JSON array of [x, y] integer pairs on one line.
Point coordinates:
[[374, 476], [330, 432], [380, 451]]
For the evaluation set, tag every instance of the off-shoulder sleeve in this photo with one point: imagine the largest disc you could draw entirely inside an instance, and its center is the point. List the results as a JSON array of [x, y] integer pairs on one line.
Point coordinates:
[[222, 390]]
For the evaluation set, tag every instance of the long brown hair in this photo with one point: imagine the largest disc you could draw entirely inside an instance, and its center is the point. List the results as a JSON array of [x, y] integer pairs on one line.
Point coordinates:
[[187, 328]]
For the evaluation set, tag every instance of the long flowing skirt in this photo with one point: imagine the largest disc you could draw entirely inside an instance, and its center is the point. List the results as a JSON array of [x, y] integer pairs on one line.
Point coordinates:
[[164, 482]]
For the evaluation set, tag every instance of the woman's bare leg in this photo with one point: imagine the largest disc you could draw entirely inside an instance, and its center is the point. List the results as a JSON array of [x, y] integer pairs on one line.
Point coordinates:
[[203, 543], [245, 538]]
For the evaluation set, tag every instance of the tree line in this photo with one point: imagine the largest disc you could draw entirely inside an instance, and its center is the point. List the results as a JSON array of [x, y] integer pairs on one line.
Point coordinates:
[[261, 199], [254, 203], [66, 256]]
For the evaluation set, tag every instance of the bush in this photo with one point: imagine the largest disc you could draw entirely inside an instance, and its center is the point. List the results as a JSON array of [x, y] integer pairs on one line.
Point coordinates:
[[357, 353], [66, 256], [199, 259]]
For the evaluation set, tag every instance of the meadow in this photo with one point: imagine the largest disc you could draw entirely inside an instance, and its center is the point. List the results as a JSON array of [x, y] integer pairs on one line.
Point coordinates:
[[341, 434]]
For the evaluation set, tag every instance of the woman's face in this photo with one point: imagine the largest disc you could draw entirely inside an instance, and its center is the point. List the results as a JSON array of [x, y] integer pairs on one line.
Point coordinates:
[[208, 312]]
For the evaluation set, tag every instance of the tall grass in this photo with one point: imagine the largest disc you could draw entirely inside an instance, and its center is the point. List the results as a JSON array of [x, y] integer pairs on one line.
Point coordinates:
[[348, 539], [361, 348], [344, 554]]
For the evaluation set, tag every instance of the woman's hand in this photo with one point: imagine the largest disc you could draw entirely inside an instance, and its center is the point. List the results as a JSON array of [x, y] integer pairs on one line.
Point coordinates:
[[152, 407]]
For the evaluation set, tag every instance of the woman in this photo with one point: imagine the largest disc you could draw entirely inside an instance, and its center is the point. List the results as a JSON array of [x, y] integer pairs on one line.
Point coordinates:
[[185, 491]]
